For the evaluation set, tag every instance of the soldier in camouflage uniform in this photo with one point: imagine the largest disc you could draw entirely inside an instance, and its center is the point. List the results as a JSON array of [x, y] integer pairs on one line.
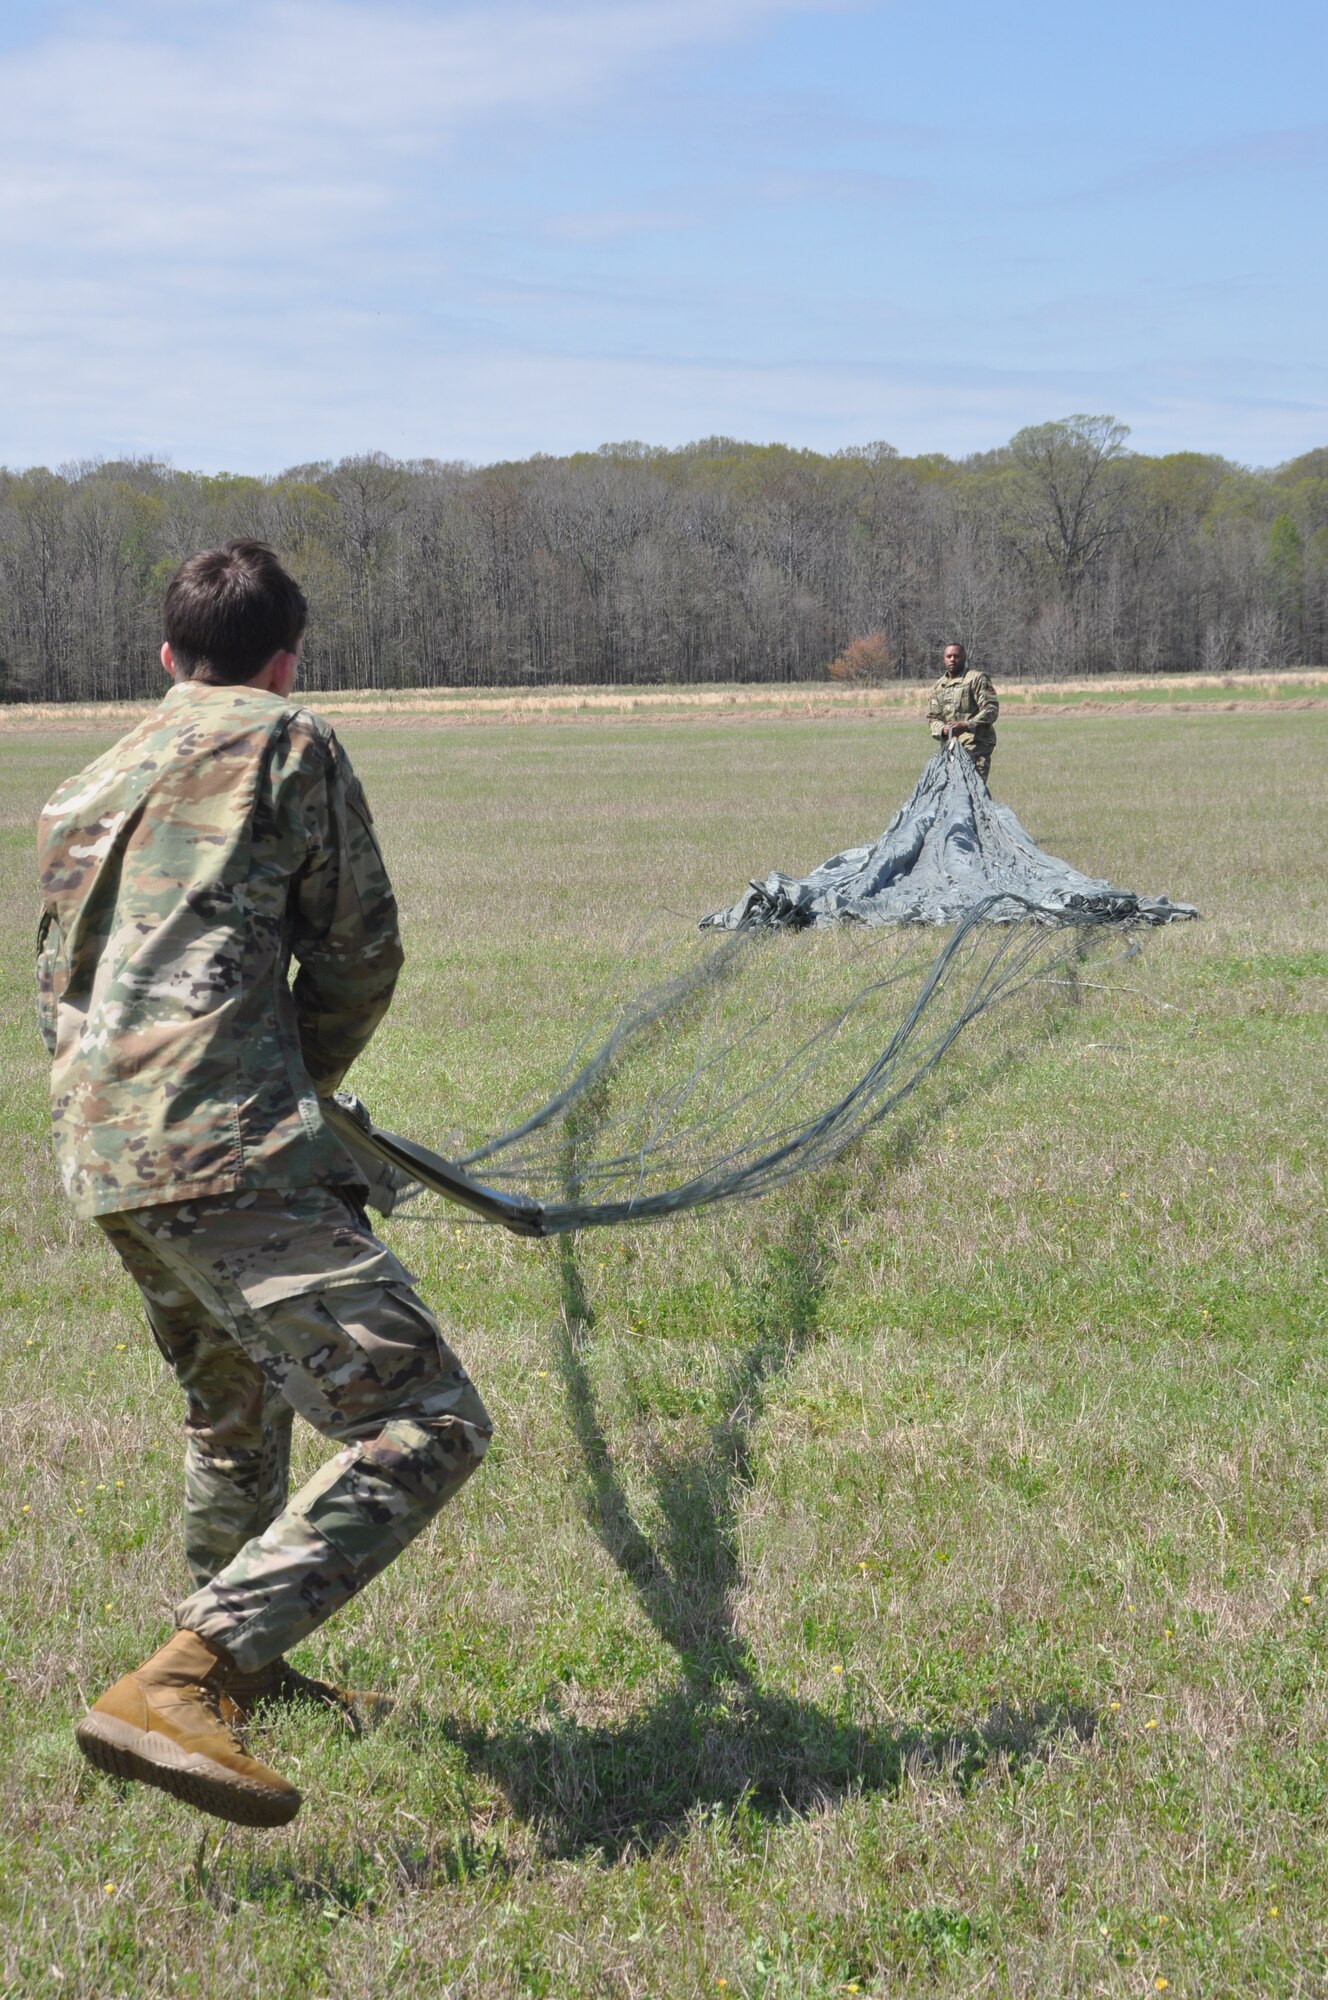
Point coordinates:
[[181, 872], [963, 708]]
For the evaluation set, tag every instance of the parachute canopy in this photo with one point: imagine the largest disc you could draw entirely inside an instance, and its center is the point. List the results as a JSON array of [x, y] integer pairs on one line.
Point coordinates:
[[947, 851]]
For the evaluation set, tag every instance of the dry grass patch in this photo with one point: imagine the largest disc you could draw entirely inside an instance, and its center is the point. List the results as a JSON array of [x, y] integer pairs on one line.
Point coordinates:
[[1301, 688]]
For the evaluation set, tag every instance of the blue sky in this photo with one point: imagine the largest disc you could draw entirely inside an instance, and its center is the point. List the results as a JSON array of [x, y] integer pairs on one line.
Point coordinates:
[[249, 236]]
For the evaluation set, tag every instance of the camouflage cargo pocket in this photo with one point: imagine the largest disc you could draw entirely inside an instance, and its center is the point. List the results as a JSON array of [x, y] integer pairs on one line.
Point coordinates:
[[299, 1263], [451, 1391], [351, 1356]]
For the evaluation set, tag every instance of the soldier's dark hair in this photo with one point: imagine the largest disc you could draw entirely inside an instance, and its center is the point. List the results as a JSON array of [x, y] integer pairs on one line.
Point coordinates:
[[959, 647], [229, 610]]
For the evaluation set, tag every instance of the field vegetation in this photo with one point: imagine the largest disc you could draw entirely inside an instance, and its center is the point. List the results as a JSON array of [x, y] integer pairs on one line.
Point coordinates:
[[915, 1583]]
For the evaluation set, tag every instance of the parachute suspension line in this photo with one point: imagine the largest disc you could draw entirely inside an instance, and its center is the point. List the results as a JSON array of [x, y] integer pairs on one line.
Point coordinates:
[[642, 1014], [763, 1059]]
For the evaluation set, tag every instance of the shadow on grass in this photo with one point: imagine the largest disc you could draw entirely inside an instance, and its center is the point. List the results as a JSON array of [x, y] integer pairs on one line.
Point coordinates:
[[355, 1881], [718, 1740]]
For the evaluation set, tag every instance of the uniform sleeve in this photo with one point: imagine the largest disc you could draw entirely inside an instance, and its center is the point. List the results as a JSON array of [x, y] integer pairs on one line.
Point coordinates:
[[48, 992], [986, 707], [935, 714], [344, 935]]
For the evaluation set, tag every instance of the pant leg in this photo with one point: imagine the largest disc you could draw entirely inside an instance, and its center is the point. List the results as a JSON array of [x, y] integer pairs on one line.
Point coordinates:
[[981, 761], [331, 1319], [237, 1425]]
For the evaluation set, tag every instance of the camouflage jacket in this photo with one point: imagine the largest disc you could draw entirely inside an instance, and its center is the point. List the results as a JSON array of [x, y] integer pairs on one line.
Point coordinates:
[[967, 697], [180, 873]]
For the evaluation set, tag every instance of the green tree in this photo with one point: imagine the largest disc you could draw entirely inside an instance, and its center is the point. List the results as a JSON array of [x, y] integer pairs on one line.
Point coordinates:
[[1067, 495], [1286, 563]]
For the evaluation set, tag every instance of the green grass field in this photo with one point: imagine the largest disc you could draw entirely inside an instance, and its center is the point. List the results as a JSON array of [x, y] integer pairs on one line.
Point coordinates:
[[915, 1584]]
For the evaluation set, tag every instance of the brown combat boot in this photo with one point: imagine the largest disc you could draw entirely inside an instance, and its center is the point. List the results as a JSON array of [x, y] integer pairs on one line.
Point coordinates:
[[279, 1685], [166, 1724]]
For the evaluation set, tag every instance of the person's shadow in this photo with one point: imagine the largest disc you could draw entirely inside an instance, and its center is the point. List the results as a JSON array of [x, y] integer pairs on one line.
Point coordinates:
[[719, 1739]]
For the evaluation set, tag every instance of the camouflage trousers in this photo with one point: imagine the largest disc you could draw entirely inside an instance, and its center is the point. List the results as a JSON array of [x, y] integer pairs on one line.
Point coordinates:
[[271, 1304]]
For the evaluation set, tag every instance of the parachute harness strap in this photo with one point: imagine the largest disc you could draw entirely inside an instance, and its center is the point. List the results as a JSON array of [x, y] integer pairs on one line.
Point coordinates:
[[358, 1134]]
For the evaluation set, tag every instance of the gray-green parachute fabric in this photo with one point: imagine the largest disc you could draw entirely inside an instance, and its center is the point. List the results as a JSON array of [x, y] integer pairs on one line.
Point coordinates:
[[948, 850]]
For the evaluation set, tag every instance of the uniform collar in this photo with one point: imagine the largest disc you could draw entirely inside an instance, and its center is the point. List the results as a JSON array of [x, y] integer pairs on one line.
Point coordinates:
[[191, 694]]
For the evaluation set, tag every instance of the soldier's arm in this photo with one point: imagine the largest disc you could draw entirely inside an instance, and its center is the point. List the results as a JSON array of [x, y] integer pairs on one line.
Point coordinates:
[[935, 720], [345, 934], [988, 708], [48, 995]]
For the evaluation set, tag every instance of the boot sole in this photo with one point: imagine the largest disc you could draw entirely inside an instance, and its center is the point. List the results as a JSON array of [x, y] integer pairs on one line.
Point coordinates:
[[151, 1759]]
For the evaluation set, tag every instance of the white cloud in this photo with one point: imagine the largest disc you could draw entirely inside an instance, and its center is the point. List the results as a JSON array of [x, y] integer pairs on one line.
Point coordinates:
[[247, 403], [271, 191], [253, 236], [222, 133]]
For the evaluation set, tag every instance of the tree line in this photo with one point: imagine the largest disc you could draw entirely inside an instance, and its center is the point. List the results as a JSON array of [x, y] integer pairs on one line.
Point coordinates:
[[1063, 552]]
